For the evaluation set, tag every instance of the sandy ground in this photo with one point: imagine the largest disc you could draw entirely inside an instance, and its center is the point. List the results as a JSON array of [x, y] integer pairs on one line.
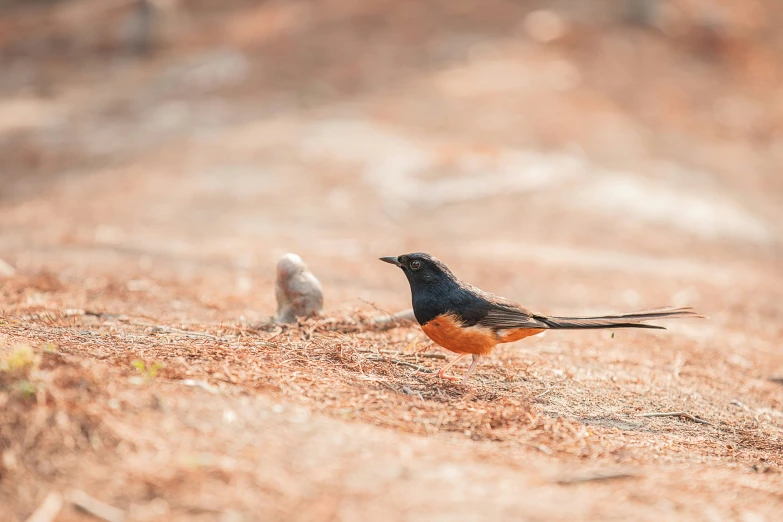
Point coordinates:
[[145, 200]]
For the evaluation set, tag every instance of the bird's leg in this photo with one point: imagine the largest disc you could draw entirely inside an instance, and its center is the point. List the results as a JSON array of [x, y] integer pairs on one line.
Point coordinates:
[[442, 372], [476, 359]]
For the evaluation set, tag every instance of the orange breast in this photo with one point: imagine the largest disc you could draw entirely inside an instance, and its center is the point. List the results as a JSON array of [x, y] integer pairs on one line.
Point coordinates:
[[447, 332]]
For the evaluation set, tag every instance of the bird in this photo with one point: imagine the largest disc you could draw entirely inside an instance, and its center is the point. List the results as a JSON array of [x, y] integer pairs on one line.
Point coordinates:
[[298, 291], [469, 321]]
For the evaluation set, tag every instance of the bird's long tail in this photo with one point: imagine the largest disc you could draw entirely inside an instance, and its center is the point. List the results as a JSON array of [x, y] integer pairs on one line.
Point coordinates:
[[629, 320]]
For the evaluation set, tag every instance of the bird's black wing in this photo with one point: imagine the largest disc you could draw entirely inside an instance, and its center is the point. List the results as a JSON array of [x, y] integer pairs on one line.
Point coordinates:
[[498, 313], [502, 317]]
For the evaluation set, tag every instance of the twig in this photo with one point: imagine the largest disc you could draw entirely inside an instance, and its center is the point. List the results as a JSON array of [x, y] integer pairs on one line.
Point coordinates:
[[398, 319], [675, 414], [49, 509], [543, 393], [398, 362], [430, 355], [735, 402], [375, 306], [188, 333], [392, 388], [427, 355], [103, 315], [407, 391], [594, 478], [242, 330], [540, 447], [201, 384], [95, 507]]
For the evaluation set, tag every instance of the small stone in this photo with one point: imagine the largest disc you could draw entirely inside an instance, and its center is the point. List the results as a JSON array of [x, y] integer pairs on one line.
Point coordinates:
[[298, 291], [406, 315]]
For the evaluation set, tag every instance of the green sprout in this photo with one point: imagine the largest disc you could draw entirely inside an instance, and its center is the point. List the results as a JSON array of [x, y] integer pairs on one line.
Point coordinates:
[[148, 371], [22, 359]]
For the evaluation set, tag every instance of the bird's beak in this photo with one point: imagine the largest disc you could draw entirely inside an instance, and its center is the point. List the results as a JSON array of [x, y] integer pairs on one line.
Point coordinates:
[[392, 260]]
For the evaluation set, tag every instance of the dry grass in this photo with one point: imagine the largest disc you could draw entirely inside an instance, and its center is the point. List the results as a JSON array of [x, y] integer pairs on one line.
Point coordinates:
[[70, 402]]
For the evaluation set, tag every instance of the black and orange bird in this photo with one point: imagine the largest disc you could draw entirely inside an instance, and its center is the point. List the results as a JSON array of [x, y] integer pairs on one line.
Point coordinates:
[[468, 321]]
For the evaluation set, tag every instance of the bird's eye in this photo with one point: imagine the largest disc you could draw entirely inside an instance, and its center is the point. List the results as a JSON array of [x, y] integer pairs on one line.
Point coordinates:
[[415, 265]]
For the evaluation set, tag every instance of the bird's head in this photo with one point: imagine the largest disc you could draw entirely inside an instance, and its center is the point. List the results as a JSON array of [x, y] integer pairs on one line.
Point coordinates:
[[421, 269]]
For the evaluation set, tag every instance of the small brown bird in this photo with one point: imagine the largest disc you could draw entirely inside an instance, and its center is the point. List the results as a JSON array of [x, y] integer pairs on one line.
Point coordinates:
[[468, 321], [298, 291]]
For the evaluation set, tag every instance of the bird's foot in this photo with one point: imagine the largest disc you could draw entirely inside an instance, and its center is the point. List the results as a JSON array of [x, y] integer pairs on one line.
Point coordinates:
[[440, 374]]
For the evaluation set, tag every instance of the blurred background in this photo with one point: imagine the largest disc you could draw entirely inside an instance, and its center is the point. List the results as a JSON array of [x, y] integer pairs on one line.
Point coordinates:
[[578, 156], [536, 147]]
